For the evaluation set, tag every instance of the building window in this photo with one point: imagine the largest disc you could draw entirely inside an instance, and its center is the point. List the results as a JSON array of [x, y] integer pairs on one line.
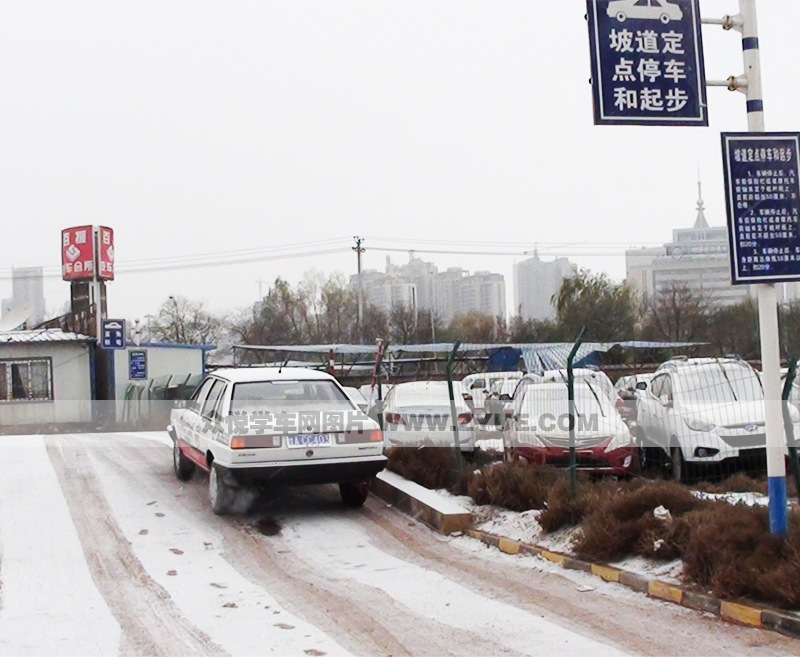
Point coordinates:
[[26, 379]]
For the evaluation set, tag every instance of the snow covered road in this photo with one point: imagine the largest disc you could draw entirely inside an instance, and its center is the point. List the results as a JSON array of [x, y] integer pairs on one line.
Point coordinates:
[[103, 552]]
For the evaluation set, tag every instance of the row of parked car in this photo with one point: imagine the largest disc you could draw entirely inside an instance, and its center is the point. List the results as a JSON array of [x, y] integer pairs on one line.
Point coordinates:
[[251, 426], [689, 414]]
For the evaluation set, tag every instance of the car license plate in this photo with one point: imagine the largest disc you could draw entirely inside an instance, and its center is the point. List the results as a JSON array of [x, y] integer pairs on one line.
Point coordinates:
[[309, 440]]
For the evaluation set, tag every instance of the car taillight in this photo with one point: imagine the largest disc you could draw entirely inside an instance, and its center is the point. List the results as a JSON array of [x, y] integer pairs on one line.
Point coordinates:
[[393, 418], [464, 418], [360, 436], [263, 441]]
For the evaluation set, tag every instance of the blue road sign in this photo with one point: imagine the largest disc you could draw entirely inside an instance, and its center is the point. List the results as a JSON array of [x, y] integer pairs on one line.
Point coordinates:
[[137, 364], [763, 202], [647, 62], [113, 334]]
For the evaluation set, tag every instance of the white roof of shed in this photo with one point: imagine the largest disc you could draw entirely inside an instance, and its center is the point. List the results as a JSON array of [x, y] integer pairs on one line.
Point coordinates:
[[42, 336]]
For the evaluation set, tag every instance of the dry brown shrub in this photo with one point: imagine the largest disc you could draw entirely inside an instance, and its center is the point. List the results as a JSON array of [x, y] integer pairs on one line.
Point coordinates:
[[515, 486], [433, 468], [736, 483], [730, 549], [562, 510], [622, 522]]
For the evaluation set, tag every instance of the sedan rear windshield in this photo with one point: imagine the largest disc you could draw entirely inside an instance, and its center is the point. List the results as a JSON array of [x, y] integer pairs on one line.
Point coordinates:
[[307, 395]]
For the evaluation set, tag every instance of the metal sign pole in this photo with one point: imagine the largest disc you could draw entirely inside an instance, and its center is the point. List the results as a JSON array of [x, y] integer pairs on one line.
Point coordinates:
[[767, 296]]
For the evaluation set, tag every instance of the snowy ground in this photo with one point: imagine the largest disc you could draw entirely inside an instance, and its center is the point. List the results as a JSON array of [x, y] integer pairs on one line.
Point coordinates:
[[103, 552]]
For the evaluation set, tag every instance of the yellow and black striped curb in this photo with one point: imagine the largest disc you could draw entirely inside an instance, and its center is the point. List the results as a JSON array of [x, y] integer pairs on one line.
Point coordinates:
[[776, 620]]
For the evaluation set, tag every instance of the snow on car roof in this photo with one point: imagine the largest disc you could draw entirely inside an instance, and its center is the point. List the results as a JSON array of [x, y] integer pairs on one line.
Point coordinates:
[[257, 374]]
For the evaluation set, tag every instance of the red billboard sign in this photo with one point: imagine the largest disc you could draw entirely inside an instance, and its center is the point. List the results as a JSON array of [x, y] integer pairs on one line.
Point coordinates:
[[105, 253], [77, 253]]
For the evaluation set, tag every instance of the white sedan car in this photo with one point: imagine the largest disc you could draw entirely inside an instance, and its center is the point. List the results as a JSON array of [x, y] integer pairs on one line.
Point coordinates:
[[419, 414], [254, 426]]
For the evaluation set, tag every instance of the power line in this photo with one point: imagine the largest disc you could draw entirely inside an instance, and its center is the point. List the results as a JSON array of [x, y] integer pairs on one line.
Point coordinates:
[[123, 269], [455, 252]]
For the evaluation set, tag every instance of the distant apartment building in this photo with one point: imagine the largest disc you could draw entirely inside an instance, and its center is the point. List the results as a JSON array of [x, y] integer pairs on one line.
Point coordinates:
[[535, 283], [697, 258], [26, 305], [420, 285]]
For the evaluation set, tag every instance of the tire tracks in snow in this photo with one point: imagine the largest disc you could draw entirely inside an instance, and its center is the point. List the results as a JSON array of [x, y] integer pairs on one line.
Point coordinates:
[[151, 623], [632, 621], [364, 619]]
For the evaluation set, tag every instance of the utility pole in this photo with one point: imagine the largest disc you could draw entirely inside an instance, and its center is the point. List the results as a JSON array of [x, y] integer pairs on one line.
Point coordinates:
[[260, 283], [360, 250]]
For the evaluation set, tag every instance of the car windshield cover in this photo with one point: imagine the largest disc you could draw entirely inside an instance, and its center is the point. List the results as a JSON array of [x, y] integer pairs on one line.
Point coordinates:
[[721, 384], [308, 395], [555, 401]]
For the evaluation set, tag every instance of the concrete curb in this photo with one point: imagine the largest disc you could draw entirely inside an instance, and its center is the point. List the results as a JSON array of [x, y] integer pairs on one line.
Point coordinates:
[[740, 613], [444, 522]]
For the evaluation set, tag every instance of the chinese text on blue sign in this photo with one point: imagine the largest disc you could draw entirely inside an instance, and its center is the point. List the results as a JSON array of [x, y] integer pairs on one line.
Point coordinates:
[[137, 364], [647, 62], [763, 202], [113, 337]]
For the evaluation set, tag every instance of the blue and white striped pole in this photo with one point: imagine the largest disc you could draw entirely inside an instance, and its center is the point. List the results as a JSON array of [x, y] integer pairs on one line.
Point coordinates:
[[767, 296]]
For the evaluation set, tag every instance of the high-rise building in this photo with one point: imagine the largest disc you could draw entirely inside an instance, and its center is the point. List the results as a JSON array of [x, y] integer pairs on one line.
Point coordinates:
[[535, 283], [484, 292], [697, 258], [27, 296], [420, 285]]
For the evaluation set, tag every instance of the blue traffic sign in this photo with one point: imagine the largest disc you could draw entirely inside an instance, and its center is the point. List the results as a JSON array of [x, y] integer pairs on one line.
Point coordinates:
[[137, 364], [113, 334], [647, 62], [763, 202]]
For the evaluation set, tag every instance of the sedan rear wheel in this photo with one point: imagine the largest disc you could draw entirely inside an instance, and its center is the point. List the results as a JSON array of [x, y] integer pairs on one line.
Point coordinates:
[[354, 494], [183, 466], [221, 495]]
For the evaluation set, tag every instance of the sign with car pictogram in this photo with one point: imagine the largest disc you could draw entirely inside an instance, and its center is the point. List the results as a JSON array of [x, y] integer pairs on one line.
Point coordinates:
[[113, 334], [762, 193], [647, 62]]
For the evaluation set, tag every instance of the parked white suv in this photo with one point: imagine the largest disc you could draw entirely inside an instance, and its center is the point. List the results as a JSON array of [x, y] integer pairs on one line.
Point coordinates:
[[701, 411], [253, 426]]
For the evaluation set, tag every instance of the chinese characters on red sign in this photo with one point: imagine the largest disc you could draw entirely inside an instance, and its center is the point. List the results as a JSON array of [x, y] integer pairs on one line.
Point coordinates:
[[105, 256], [77, 253], [86, 250]]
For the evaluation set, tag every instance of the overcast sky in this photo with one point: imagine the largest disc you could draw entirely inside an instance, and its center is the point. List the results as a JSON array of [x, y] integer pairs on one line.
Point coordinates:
[[196, 128]]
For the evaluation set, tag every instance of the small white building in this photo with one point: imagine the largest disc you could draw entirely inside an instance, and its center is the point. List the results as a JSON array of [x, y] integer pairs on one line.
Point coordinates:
[[138, 370], [46, 377]]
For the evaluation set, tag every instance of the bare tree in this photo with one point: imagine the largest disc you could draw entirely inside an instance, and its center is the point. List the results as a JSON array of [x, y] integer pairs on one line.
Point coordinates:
[[181, 320], [677, 313]]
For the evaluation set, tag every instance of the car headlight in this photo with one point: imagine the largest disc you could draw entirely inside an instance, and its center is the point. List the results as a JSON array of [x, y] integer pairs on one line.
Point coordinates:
[[697, 425]]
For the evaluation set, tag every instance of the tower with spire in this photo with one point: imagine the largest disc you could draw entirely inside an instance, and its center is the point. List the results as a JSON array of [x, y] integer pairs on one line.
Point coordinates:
[[700, 222], [697, 257]]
